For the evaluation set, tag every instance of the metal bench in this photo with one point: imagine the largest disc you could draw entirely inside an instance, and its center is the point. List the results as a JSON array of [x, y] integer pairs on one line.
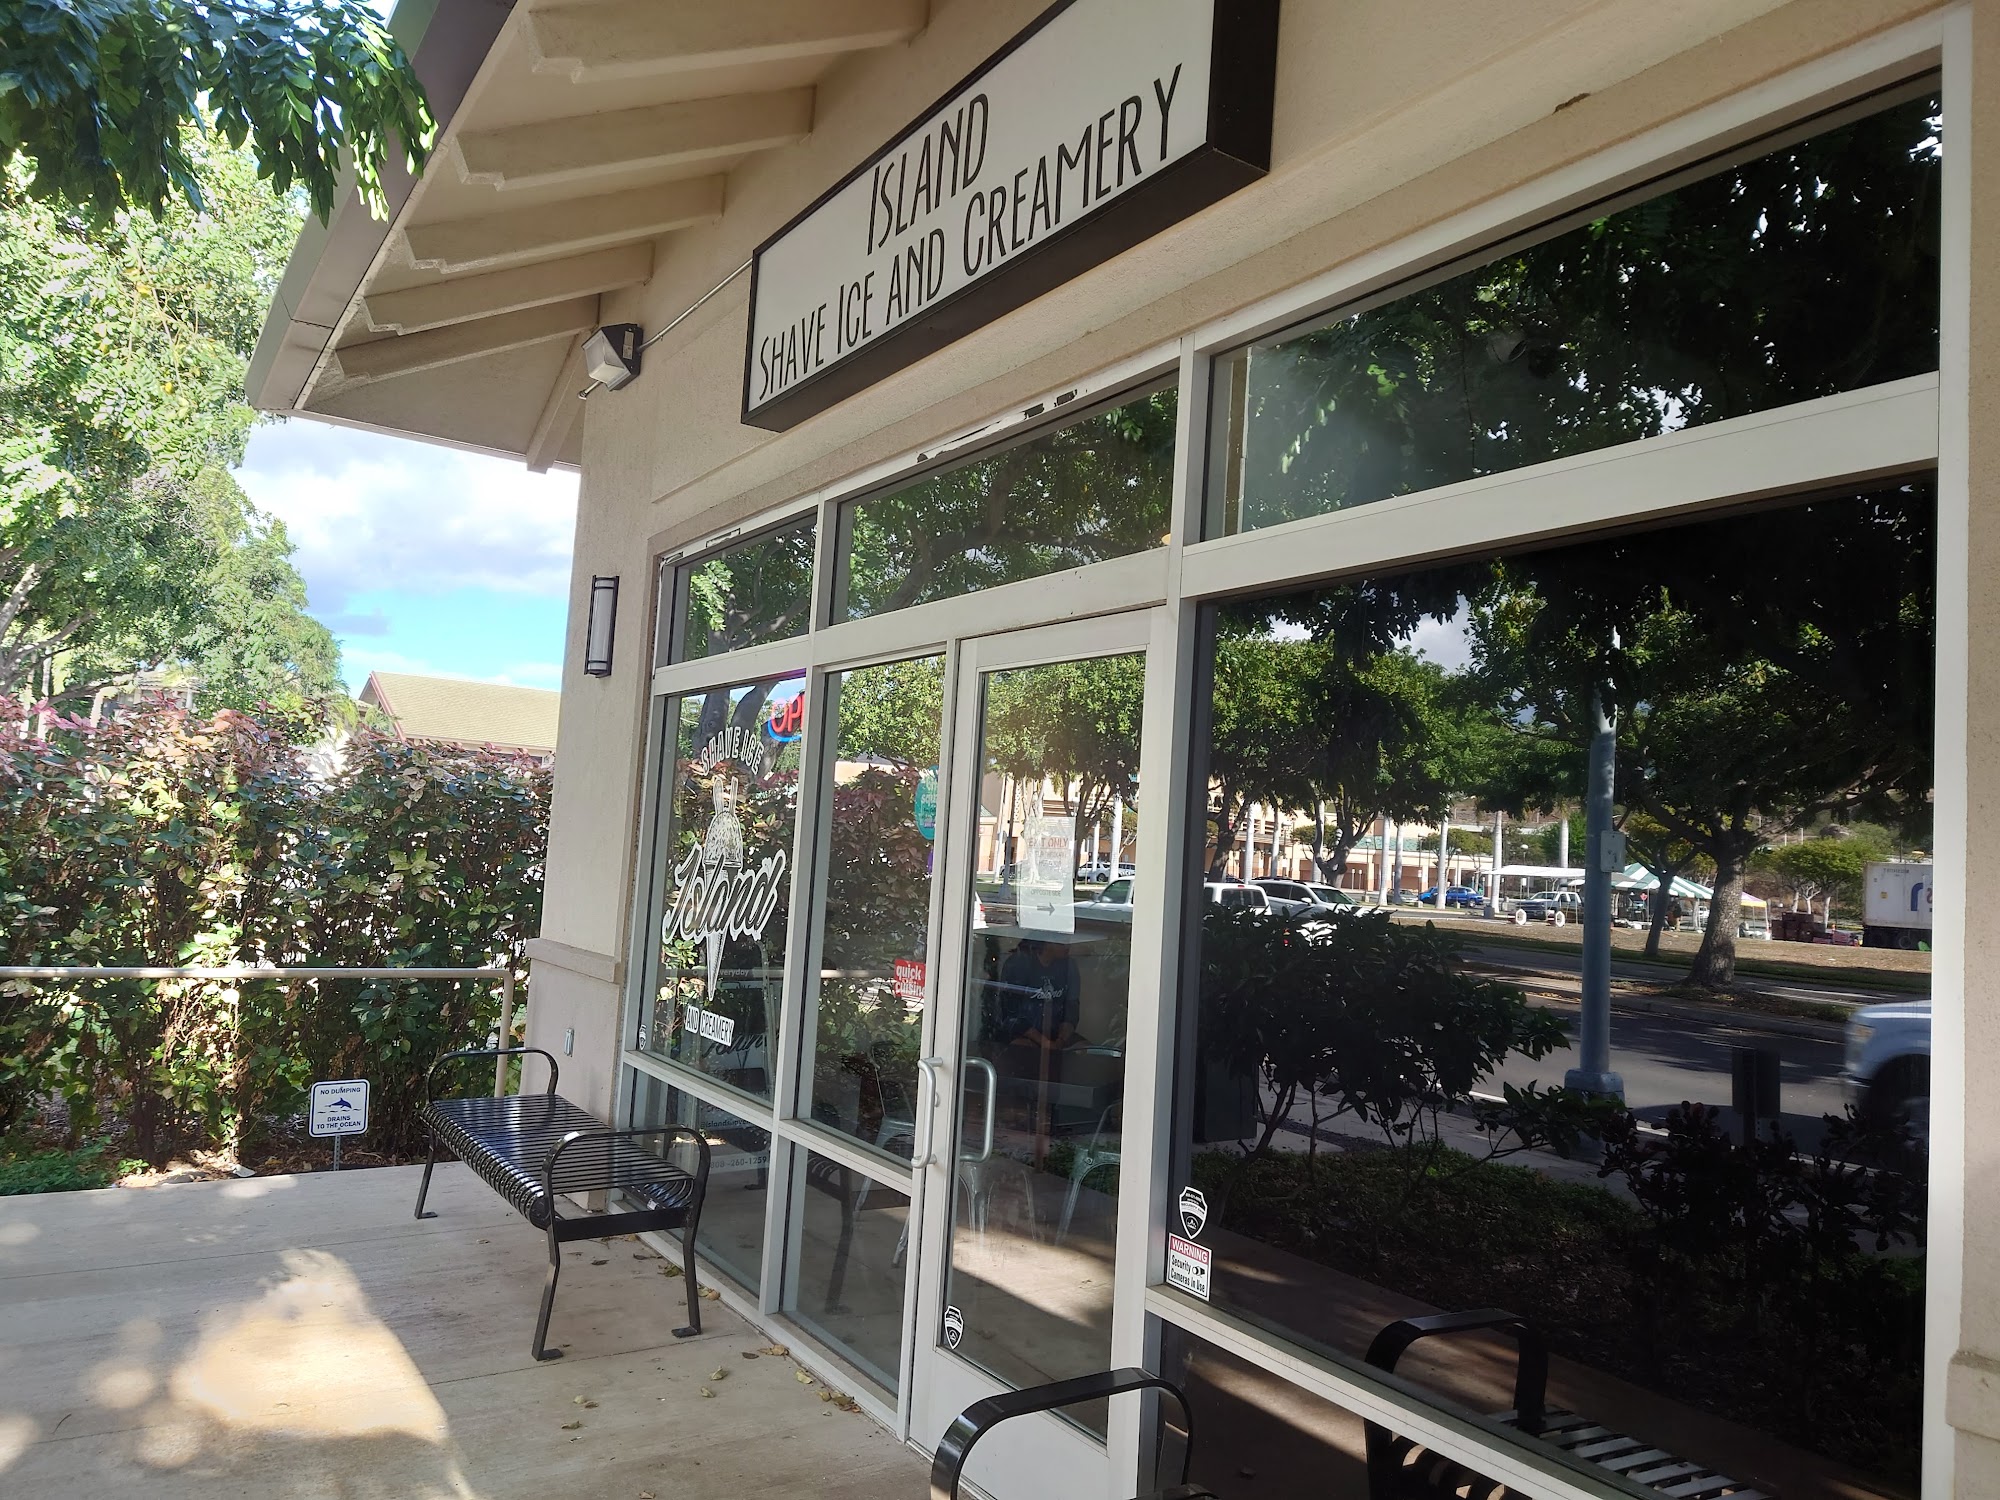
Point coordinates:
[[980, 1418], [1399, 1468], [530, 1147]]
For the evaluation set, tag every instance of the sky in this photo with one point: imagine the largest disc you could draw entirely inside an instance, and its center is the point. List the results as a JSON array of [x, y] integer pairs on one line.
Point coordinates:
[[421, 558]]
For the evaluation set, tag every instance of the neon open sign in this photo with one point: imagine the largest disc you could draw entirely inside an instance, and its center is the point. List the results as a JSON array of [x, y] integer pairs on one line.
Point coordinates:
[[788, 719]]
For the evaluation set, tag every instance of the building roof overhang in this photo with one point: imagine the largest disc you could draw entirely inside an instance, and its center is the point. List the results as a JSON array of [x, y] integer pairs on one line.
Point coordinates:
[[576, 137]]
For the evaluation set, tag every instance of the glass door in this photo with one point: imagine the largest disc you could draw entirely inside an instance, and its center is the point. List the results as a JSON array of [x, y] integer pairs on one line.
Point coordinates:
[[1033, 996]]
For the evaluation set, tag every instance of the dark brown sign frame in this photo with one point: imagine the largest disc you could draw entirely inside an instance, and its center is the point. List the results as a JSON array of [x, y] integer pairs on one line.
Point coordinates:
[[1237, 152]]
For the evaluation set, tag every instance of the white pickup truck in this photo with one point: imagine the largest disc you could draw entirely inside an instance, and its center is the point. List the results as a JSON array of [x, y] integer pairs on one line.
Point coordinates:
[[1888, 1068]]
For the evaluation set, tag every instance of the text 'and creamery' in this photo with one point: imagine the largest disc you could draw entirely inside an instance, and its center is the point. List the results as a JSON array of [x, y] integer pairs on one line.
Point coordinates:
[[1100, 98], [908, 265]]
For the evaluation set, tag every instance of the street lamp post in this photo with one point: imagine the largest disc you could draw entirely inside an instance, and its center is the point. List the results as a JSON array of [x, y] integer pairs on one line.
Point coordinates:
[[1602, 848]]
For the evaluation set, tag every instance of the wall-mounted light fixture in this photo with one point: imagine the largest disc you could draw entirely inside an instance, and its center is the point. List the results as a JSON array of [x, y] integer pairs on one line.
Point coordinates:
[[611, 355], [601, 626]]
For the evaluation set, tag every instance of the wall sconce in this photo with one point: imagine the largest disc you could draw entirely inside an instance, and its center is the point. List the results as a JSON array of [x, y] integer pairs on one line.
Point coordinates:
[[611, 355], [601, 625]]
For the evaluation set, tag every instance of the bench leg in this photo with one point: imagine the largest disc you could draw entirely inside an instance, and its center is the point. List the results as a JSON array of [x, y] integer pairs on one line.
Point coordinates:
[[542, 1351], [424, 1187], [693, 1288]]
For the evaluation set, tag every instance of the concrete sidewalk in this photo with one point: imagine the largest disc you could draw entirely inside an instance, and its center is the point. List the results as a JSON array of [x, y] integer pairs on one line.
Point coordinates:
[[305, 1338]]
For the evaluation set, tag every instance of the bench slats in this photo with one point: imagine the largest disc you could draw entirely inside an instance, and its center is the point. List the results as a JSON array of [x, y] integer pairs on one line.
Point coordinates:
[[507, 1142]]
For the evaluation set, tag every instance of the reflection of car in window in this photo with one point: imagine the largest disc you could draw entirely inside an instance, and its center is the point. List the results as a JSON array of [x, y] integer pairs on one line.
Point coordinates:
[[1554, 907], [1286, 895], [1112, 904], [1457, 895], [1228, 893], [1888, 1069]]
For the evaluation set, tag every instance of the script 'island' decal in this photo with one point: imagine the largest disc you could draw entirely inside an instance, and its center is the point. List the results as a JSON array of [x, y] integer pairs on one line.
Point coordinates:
[[719, 897]]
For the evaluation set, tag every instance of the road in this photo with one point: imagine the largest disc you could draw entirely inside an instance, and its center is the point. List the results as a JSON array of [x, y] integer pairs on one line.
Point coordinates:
[[1666, 1060], [1561, 965]]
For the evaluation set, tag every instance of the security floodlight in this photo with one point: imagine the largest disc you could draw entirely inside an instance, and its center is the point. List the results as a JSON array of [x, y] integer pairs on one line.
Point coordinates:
[[611, 355], [598, 630]]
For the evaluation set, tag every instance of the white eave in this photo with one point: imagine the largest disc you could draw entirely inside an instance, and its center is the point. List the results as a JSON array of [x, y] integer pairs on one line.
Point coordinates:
[[576, 137]]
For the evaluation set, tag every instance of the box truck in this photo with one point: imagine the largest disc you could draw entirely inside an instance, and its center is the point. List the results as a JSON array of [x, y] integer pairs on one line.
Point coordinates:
[[1896, 905]]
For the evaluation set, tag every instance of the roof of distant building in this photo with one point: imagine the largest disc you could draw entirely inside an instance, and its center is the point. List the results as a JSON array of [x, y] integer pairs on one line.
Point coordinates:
[[452, 711]]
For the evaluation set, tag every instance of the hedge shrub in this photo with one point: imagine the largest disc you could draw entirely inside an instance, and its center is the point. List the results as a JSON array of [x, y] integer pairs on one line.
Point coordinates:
[[163, 838]]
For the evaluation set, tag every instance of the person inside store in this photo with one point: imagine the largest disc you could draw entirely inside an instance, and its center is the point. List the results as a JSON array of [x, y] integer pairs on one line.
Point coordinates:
[[1035, 1002]]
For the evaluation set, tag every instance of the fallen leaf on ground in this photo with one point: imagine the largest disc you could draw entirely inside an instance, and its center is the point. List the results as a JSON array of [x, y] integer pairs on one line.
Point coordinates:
[[670, 1270], [777, 1351], [805, 1379], [571, 1426], [600, 1263], [749, 1353], [718, 1373], [711, 1293], [706, 1391]]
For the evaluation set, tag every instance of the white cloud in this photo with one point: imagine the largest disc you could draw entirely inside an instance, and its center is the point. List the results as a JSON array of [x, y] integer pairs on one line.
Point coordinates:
[[370, 513]]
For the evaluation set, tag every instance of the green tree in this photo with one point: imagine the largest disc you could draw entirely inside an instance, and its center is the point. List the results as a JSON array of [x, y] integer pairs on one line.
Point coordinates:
[[124, 541], [1072, 723], [106, 100], [1081, 493], [1827, 868]]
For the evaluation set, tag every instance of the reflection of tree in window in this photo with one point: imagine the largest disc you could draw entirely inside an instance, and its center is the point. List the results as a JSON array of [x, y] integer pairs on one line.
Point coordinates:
[[1074, 724], [1771, 672], [756, 592], [1079, 494], [1805, 272], [876, 905]]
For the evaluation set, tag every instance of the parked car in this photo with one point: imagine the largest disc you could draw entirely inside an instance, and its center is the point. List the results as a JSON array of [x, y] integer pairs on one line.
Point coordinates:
[[1100, 869], [1457, 895], [1230, 893], [1297, 895], [1113, 904], [1887, 1073], [1553, 907]]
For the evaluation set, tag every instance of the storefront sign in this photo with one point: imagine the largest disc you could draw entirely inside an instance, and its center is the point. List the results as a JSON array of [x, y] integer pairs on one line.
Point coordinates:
[[1188, 1266], [1099, 126], [927, 795], [910, 979]]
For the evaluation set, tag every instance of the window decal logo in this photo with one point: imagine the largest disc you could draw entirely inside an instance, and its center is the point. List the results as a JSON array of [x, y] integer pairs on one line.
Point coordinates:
[[718, 899]]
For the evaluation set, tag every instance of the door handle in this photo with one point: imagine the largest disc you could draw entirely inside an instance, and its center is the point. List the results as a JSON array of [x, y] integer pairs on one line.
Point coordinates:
[[992, 1104], [930, 1070]]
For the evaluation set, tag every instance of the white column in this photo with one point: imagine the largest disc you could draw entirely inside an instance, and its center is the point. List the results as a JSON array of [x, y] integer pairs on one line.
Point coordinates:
[[1117, 834], [1277, 823], [1562, 842], [1249, 838]]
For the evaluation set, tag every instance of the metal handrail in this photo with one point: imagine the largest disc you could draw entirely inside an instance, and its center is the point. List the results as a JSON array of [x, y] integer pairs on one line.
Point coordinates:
[[309, 971]]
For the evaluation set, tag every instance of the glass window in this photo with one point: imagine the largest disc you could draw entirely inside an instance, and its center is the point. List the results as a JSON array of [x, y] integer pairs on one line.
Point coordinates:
[[1388, 1110], [723, 877], [1095, 488], [853, 1241], [758, 590], [878, 860], [1046, 984], [1807, 271], [1257, 1436], [731, 1234]]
